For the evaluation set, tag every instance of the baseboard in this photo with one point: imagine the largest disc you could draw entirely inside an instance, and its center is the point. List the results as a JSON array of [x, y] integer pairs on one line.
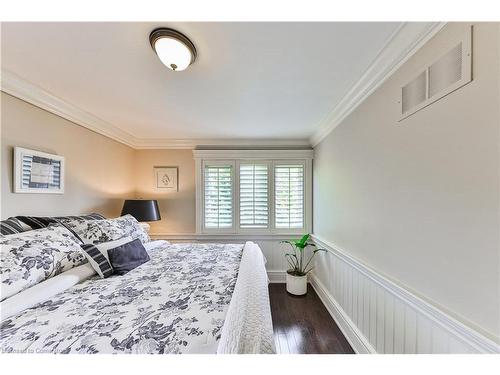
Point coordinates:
[[276, 276], [356, 339]]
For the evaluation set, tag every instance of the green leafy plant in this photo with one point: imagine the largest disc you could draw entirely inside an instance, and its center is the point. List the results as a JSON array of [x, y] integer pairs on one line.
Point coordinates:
[[295, 258]]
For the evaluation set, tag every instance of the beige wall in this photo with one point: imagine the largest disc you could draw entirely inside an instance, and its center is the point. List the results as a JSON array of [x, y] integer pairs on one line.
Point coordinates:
[[99, 171], [419, 200], [177, 208]]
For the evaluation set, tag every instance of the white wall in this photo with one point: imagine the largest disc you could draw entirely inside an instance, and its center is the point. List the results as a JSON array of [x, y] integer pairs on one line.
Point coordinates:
[[418, 201]]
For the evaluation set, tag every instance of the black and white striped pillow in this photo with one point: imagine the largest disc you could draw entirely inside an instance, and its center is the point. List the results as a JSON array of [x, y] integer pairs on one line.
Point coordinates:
[[11, 226], [97, 260], [37, 222], [97, 255]]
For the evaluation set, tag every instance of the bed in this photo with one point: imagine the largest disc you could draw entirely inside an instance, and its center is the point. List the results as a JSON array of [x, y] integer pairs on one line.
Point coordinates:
[[189, 298]]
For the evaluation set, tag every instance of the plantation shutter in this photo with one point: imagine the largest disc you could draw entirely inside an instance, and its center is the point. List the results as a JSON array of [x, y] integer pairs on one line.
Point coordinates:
[[254, 201], [289, 196], [218, 196]]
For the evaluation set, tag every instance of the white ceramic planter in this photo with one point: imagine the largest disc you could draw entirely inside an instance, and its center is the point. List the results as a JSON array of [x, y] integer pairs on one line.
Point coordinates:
[[296, 285]]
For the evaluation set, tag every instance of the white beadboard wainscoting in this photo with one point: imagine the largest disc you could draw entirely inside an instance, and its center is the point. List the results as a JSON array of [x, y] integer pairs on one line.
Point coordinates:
[[379, 316], [273, 250]]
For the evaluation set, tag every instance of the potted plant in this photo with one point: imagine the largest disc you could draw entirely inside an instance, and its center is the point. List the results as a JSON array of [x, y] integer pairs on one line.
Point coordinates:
[[296, 275]]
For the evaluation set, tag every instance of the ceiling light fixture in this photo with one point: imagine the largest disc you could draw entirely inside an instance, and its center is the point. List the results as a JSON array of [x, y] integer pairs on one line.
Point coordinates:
[[174, 49]]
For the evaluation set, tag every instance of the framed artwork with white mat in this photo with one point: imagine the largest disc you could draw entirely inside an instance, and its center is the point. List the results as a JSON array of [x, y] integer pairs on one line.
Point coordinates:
[[38, 172], [166, 179]]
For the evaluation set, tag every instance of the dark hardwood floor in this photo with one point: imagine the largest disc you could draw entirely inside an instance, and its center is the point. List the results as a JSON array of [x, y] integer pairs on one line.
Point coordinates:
[[303, 324]]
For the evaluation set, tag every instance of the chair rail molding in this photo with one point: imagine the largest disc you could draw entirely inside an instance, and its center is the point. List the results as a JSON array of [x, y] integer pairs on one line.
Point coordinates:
[[407, 39], [378, 315]]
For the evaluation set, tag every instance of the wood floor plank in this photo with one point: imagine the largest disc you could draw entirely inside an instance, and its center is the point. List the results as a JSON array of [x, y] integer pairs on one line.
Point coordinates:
[[303, 324]]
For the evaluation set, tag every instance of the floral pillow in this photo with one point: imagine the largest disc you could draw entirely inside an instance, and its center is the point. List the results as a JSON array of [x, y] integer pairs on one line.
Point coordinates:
[[99, 231], [31, 257]]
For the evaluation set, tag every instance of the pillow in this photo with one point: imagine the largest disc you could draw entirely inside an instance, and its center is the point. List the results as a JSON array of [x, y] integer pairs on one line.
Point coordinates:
[[11, 226], [99, 231], [93, 216], [126, 257], [31, 257], [37, 222], [98, 255]]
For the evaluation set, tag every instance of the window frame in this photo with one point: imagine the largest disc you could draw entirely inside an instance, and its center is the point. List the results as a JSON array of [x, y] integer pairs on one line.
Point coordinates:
[[235, 158]]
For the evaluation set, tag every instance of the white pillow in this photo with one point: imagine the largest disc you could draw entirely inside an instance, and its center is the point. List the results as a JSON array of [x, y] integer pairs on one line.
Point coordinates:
[[99, 231], [97, 254], [31, 257]]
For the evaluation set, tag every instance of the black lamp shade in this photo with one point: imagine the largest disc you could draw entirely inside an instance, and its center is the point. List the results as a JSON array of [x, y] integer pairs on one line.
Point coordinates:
[[142, 209]]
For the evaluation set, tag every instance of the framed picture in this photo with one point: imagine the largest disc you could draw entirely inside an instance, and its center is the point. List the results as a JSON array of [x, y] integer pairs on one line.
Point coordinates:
[[166, 178], [38, 172]]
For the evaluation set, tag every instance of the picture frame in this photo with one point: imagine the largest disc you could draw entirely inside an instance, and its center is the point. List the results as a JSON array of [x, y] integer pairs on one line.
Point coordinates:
[[38, 172], [166, 179]]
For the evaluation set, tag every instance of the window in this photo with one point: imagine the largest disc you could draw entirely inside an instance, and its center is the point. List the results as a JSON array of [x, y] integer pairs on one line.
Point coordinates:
[[253, 192], [289, 196], [218, 196], [254, 200]]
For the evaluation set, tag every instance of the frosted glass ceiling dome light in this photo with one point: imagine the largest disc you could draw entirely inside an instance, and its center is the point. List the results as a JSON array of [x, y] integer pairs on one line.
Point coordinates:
[[174, 49]]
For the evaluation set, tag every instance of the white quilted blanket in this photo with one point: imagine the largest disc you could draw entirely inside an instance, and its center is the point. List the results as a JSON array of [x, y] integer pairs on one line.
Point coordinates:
[[248, 327]]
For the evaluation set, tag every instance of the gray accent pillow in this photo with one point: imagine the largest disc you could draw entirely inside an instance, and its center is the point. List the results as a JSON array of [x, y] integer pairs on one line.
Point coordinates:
[[98, 255], [126, 257]]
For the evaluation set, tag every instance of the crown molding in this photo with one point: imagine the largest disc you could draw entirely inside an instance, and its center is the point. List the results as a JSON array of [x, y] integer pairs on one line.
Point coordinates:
[[16, 86], [223, 143], [407, 39], [402, 44]]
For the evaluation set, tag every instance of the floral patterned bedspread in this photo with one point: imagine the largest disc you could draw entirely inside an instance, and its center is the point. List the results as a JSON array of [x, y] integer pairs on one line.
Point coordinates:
[[175, 303]]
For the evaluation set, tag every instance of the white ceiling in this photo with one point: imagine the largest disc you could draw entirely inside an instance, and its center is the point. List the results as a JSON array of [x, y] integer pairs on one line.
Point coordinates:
[[250, 80]]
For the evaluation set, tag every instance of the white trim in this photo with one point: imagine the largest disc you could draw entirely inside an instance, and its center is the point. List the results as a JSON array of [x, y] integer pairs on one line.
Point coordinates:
[[476, 340], [276, 277], [219, 237], [404, 42], [253, 154], [273, 158], [18, 87], [356, 339], [190, 144]]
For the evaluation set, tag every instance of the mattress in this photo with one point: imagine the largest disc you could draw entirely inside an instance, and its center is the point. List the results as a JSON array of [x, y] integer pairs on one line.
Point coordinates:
[[189, 298]]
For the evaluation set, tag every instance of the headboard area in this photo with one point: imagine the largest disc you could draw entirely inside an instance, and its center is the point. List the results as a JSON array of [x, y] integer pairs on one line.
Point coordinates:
[[19, 224]]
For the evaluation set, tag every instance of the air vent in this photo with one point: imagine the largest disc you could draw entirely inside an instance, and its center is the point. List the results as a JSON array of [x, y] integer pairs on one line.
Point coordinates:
[[446, 71], [415, 92], [447, 74]]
